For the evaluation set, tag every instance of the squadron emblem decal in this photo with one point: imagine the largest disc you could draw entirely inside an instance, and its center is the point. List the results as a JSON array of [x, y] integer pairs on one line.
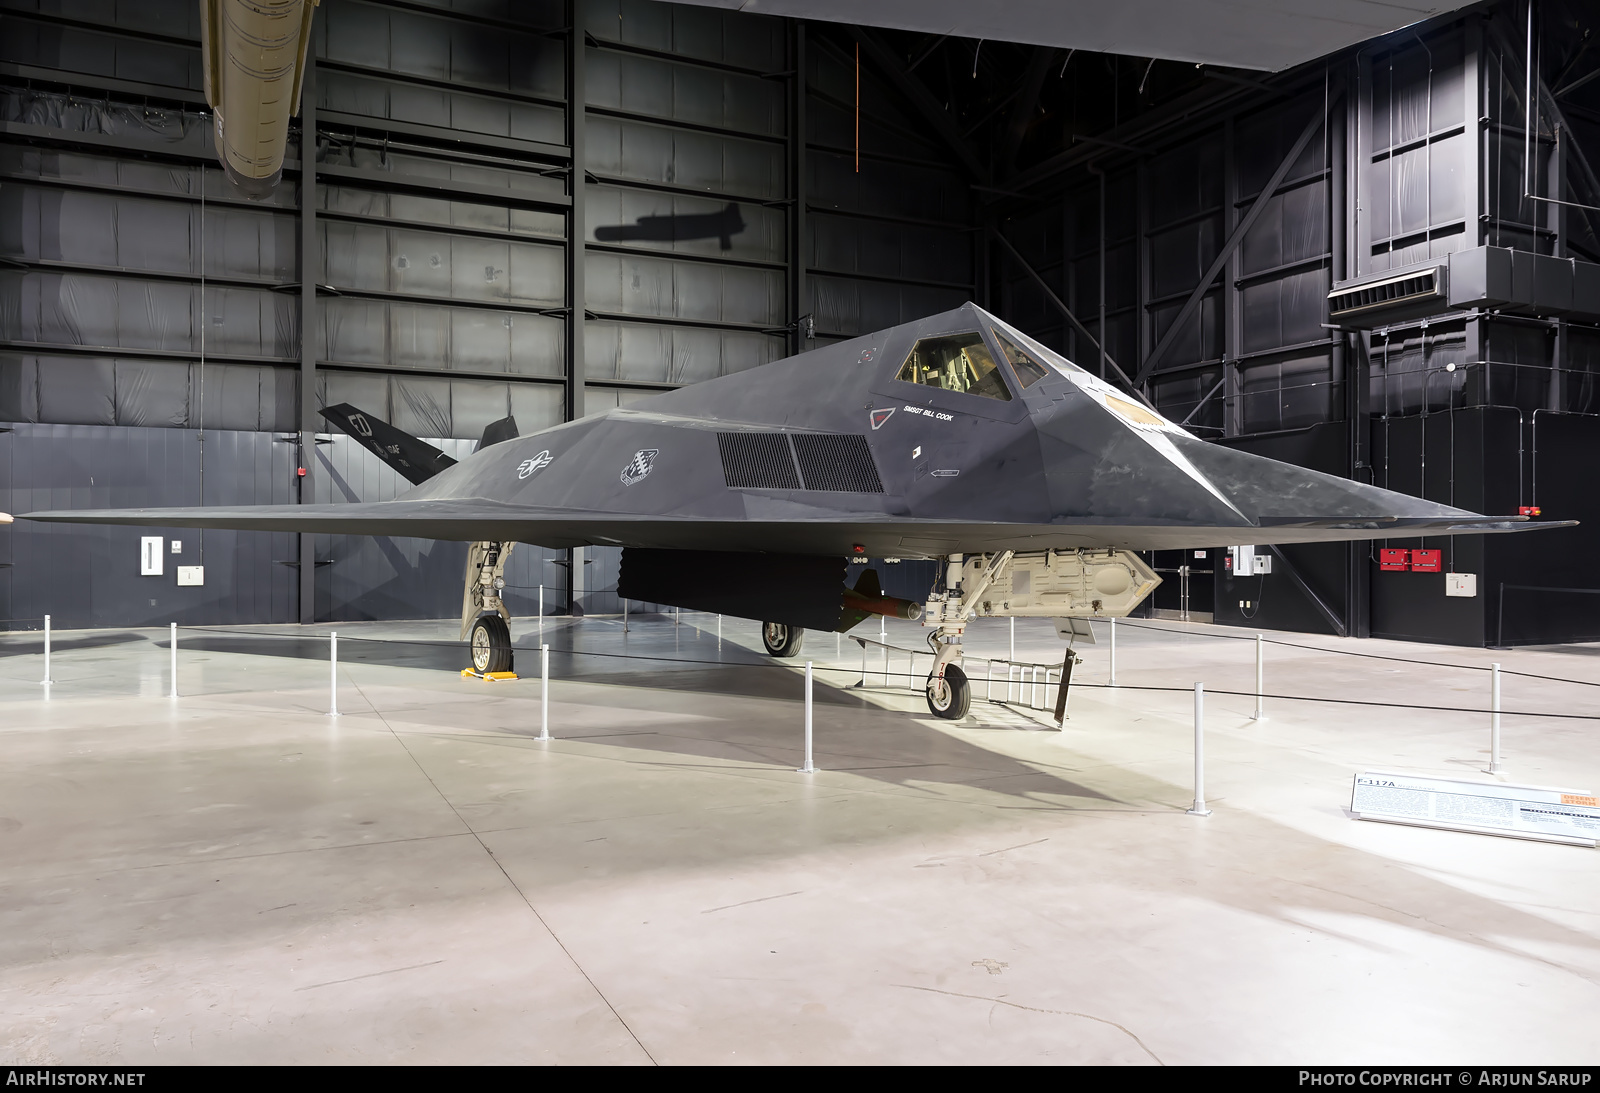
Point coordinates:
[[878, 417], [535, 465], [639, 466]]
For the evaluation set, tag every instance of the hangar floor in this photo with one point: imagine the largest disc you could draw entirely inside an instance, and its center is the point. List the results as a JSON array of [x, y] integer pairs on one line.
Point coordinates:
[[234, 876]]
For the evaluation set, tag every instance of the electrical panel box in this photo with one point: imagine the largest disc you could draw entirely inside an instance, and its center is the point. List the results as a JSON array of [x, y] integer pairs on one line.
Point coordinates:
[[191, 574], [1242, 560], [1427, 561], [1461, 584], [150, 556], [1263, 564], [1394, 561]]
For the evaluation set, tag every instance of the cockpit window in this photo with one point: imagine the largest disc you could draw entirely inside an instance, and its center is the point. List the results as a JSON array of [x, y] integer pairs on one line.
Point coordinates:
[[955, 362], [1028, 370]]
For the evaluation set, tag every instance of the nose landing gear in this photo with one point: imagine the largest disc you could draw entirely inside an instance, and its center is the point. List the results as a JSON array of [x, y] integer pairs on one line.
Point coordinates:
[[949, 694]]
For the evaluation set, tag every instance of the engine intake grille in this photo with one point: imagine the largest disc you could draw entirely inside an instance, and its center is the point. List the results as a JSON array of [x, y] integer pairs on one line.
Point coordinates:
[[757, 461], [841, 462], [837, 461]]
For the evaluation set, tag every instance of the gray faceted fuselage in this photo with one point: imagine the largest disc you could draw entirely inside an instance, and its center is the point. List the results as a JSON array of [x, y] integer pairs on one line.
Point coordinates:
[[1051, 468], [831, 453]]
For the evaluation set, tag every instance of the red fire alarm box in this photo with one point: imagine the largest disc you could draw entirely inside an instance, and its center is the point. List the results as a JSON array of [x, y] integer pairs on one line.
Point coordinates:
[[1528, 510], [1396, 561], [1426, 561]]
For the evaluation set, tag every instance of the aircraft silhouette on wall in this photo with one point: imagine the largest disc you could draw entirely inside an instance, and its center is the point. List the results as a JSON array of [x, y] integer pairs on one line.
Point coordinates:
[[721, 226]]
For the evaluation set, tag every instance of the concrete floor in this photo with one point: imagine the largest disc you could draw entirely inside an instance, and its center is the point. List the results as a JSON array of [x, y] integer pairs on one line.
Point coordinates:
[[234, 876]]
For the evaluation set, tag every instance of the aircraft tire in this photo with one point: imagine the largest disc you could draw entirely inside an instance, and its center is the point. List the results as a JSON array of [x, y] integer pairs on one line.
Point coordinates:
[[951, 697], [490, 645], [781, 639]]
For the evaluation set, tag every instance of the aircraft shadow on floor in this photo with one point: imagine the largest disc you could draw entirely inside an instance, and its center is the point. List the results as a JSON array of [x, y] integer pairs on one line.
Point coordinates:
[[31, 643], [677, 662], [693, 664]]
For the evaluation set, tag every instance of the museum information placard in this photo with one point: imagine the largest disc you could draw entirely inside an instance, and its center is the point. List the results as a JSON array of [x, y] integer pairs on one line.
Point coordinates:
[[1489, 808]]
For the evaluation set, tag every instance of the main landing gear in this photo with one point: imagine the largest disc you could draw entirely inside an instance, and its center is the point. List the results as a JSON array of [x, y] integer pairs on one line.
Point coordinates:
[[491, 645], [483, 613], [781, 639]]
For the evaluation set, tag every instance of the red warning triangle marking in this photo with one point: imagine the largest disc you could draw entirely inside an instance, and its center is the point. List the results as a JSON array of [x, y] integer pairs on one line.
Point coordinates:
[[880, 416]]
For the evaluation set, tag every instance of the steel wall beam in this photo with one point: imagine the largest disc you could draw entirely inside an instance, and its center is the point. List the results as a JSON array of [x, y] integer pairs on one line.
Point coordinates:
[[799, 291], [575, 271], [310, 260], [1027, 103], [889, 63], [576, 296], [1310, 593], [1056, 301], [1257, 207]]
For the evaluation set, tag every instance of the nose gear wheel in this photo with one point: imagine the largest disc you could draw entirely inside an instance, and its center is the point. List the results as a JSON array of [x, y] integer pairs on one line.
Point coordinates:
[[949, 697]]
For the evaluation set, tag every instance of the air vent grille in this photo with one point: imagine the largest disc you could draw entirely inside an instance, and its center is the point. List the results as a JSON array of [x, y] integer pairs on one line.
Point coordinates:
[[836, 462], [841, 462], [1421, 285], [757, 461]]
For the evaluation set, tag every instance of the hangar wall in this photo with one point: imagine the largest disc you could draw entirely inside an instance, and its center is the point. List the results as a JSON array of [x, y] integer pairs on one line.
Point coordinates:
[[151, 318], [1413, 149], [754, 186]]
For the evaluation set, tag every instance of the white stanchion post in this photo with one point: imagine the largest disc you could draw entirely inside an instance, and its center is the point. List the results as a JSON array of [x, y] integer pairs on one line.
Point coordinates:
[[1013, 637], [172, 645], [47, 678], [541, 609], [1261, 713], [675, 612], [1494, 720], [1112, 682], [808, 768], [624, 615], [333, 673], [544, 692], [863, 664], [1199, 808]]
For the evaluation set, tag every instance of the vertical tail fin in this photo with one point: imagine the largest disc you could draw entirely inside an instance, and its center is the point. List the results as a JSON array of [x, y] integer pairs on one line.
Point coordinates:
[[415, 460]]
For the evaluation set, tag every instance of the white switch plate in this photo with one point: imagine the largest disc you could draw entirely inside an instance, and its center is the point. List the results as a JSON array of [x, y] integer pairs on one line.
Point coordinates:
[[1461, 584], [191, 574], [150, 555], [177, 546]]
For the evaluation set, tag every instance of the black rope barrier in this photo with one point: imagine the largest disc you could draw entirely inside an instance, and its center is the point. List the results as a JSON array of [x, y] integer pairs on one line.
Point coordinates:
[[1140, 624], [852, 671]]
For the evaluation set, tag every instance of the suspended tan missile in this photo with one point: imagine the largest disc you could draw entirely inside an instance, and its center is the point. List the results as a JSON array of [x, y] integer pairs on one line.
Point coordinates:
[[255, 54]]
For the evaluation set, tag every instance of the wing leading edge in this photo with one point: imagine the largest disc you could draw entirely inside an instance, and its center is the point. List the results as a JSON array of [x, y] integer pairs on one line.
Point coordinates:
[[468, 520]]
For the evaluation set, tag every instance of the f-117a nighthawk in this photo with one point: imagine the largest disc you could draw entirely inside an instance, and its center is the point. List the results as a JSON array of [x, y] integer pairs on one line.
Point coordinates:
[[955, 437]]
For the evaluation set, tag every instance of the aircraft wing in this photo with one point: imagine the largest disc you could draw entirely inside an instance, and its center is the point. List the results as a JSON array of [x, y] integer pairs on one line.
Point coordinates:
[[847, 451], [472, 519]]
